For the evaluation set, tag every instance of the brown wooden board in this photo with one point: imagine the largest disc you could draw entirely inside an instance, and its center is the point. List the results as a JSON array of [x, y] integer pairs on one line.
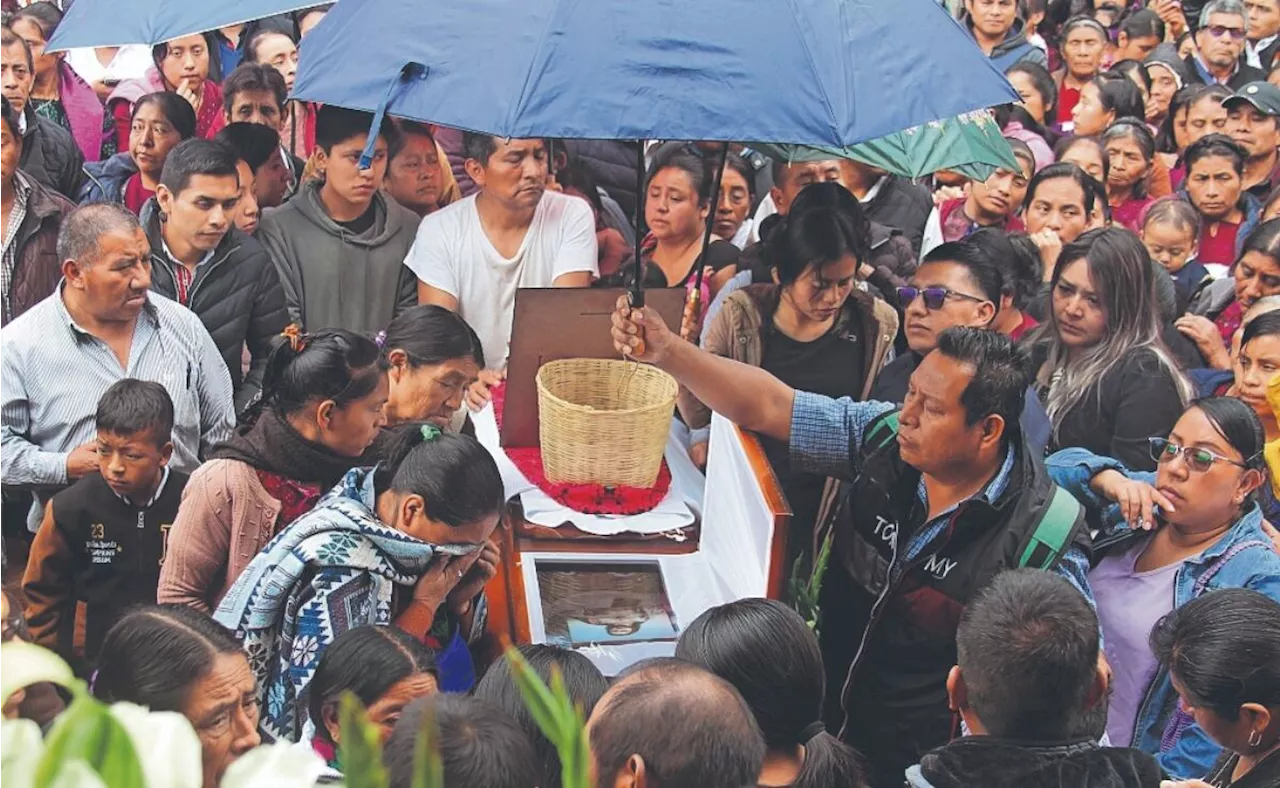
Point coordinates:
[[554, 323]]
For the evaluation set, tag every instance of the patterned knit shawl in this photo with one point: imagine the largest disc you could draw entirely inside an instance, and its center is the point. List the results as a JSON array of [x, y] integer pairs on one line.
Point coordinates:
[[335, 568]]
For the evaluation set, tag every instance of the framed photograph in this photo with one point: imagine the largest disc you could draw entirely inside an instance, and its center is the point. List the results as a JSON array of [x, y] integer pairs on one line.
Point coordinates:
[[606, 603]]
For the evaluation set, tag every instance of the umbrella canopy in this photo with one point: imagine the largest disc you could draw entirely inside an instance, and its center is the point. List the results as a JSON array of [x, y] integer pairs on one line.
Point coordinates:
[[816, 72], [970, 144], [101, 23]]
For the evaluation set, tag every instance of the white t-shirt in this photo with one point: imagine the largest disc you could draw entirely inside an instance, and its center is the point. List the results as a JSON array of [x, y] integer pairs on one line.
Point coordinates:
[[130, 62], [453, 254]]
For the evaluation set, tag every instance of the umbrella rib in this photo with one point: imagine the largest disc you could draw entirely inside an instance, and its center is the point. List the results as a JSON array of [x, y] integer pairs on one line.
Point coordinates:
[[813, 67], [539, 48]]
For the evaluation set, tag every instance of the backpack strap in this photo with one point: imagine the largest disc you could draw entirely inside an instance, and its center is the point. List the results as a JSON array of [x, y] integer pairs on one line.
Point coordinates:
[[882, 432], [1049, 540]]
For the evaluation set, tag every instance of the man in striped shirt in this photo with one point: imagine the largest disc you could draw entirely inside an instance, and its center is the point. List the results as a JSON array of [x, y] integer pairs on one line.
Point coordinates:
[[102, 325]]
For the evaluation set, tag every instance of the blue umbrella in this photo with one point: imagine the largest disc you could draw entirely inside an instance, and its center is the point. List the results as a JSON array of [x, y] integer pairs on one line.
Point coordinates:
[[815, 72], [98, 23]]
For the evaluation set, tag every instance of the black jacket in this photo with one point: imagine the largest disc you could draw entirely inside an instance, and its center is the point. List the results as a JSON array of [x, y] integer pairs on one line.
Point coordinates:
[[903, 205], [237, 295], [612, 164], [50, 155], [1135, 400], [1001, 763], [1243, 76], [888, 628], [93, 549]]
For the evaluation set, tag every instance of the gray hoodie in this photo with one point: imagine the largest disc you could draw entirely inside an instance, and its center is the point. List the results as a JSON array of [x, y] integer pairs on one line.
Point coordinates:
[[334, 279]]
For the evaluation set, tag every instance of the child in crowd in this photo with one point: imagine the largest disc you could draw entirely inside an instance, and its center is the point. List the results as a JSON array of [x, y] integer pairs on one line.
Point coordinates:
[[1171, 232], [100, 546]]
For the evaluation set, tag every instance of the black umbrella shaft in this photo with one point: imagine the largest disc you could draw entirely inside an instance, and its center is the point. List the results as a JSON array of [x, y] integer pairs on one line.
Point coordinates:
[[637, 287], [701, 260]]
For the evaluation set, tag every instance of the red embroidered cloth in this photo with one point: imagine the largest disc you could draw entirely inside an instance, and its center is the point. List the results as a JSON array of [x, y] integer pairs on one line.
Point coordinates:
[[585, 498]]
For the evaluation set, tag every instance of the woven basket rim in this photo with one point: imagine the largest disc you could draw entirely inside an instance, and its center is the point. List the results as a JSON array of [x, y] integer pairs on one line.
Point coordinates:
[[586, 410]]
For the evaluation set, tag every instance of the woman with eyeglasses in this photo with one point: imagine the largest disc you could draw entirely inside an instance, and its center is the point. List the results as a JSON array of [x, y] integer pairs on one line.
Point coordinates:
[[1192, 526], [1103, 372]]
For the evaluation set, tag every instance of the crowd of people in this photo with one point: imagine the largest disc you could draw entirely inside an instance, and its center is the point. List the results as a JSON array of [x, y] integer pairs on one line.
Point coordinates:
[[1036, 417]]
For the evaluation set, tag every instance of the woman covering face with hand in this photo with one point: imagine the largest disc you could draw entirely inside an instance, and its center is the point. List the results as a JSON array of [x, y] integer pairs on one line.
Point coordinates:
[[406, 543]]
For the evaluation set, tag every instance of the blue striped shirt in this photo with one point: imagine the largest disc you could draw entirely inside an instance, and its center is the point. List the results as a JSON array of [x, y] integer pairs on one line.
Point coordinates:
[[53, 373]]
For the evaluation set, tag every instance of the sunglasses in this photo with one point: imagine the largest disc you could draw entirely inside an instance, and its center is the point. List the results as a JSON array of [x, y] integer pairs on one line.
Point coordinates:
[[1218, 31], [934, 297], [1198, 460]]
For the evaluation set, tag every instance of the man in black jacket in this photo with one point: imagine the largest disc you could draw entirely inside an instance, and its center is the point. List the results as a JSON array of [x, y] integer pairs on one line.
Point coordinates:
[[201, 261], [1032, 690], [1220, 44], [890, 200], [49, 152], [943, 494]]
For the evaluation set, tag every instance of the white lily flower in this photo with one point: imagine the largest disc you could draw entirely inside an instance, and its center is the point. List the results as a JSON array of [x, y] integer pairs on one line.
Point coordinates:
[[166, 744], [24, 664], [77, 774], [280, 765], [21, 744]]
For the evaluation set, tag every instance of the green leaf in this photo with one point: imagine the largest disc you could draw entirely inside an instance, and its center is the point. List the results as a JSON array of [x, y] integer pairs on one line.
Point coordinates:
[[557, 716], [24, 664], [428, 767], [360, 752], [88, 732]]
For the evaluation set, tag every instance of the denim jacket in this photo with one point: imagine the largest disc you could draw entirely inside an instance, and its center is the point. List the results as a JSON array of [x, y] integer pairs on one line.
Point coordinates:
[[1243, 558]]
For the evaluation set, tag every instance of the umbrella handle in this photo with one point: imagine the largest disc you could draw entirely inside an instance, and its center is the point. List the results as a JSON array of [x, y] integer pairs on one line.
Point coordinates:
[[406, 73], [636, 295]]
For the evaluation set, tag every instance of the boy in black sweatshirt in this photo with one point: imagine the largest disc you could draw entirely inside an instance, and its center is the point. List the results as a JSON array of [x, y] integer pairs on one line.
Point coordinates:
[[100, 546]]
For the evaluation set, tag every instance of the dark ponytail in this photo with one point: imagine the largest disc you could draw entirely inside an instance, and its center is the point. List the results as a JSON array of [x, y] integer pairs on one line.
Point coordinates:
[[1237, 422], [334, 364], [155, 655], [365, 661], [429, 335], [456, 476], [1224, 648], [825, 223], [767, 652]]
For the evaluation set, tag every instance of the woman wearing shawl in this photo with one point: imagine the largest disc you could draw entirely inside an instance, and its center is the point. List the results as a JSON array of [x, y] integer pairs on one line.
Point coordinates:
[[182, 67], [405, 544]]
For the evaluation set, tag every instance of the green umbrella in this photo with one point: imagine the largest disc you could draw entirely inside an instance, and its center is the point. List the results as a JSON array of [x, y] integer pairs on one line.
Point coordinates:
[[970, 144]]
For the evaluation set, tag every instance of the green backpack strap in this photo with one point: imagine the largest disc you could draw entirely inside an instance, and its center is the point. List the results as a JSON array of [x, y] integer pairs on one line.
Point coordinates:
[[884, 431], [1049, 541]]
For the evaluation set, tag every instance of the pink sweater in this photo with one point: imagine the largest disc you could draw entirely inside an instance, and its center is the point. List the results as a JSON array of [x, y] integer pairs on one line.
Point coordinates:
[[225, 519]]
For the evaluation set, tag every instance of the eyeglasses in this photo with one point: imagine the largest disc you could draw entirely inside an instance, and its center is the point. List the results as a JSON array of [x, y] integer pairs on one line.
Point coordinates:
[[1218, 31], [1198, 460], [934, 297]]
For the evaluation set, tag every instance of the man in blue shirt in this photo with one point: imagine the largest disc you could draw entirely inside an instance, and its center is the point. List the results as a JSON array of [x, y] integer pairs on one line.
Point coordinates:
[[942, 495]]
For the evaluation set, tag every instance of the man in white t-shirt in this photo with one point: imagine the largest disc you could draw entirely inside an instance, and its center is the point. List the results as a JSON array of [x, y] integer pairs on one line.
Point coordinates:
[[473, 255]]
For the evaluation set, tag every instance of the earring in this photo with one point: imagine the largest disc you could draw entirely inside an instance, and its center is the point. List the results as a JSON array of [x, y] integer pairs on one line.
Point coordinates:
[[1255, 738], [164, 217]]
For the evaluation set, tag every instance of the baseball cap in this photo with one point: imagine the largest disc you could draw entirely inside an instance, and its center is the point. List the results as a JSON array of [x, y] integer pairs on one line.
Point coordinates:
[[1263, 95]]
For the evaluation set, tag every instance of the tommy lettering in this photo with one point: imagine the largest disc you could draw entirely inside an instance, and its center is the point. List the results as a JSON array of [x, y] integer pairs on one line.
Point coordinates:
[[939, 567], [887, 530]]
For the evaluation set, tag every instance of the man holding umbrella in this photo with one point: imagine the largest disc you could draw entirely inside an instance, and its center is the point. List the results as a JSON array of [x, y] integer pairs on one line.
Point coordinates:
[[943, 495]]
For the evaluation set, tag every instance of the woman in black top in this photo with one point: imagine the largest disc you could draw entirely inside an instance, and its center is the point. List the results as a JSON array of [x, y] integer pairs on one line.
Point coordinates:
[[677, 206], [1223, 653], [1106, 379]]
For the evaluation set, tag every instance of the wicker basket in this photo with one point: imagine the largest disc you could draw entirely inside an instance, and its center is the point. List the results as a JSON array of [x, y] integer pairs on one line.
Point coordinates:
[[602, 421]]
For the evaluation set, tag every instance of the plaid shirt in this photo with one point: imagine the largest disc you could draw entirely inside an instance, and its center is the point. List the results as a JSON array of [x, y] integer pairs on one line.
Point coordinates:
[[9, 262]]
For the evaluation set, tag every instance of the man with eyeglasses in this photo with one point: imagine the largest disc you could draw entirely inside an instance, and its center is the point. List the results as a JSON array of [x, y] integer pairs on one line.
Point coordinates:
[[956, 285], [941, 494], [1220, 42]]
